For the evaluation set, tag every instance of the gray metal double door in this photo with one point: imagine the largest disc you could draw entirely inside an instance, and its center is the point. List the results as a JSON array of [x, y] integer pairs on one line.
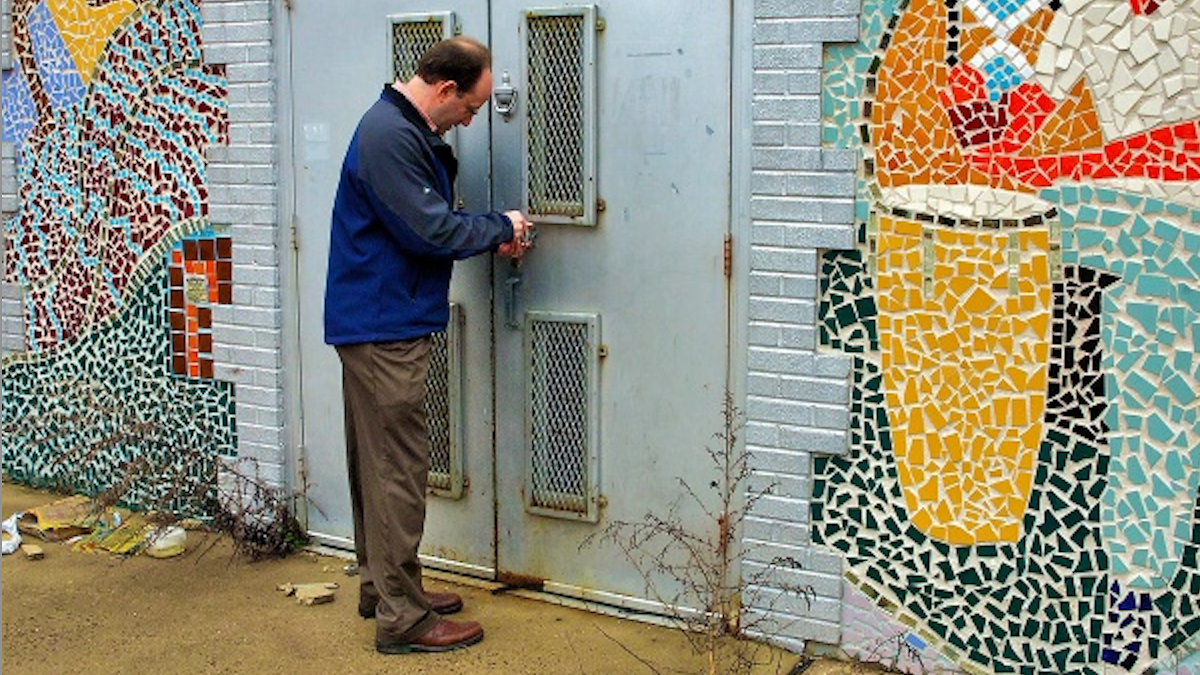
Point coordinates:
[[580, 387]]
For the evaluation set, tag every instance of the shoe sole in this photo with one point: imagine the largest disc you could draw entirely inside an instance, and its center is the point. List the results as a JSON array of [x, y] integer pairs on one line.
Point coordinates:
[[410, 648]]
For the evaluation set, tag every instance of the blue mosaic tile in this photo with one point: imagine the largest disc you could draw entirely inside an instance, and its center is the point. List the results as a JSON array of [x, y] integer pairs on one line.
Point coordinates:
[[1002, 77], [56, 68], [20, 113], [1002, 9]]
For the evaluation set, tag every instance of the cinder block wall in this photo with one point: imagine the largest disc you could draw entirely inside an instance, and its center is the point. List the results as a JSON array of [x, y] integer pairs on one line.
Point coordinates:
[[244, 197], [797, 402]]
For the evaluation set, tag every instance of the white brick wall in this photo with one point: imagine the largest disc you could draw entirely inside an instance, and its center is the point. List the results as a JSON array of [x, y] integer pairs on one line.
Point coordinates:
[[243, 200], [797, 397], [12, 319], [5, 34]]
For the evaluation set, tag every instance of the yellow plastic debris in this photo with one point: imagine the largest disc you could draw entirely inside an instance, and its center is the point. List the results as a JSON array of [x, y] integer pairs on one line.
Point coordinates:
[[64, 519]]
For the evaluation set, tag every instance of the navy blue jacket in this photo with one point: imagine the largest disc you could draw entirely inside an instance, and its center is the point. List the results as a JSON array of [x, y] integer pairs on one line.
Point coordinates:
[[394, 235]]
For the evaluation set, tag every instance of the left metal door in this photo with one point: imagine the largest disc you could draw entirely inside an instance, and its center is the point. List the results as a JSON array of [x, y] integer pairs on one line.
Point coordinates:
[[340, 56]]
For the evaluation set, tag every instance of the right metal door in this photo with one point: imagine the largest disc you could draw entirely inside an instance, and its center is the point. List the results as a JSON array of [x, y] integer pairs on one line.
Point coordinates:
[[611, 127]]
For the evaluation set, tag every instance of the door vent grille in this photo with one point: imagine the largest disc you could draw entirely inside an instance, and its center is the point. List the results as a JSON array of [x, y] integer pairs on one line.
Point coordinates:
[[563, 475], [443, 408], [411, 35], [559, 68]]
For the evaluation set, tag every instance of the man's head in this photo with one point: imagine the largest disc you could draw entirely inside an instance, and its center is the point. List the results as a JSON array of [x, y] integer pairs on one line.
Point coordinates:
[[453, 81]]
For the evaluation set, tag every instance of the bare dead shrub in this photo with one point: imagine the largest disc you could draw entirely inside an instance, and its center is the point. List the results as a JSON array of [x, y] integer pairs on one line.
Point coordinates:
[[694, 574], [142, 459]]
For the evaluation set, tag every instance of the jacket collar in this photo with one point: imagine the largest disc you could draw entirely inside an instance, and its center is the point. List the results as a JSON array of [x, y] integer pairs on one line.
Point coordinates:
[[441, 149], [407, 109]]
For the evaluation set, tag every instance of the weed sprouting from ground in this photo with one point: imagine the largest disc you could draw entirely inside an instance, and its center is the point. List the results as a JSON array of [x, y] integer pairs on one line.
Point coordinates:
[[693, 571]]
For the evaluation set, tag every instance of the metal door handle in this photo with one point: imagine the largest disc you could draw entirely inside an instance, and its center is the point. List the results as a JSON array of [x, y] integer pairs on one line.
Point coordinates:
[[512, 299], [504, 97]]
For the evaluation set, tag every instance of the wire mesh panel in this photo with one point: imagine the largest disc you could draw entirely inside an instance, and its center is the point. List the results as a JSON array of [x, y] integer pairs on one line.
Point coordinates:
[[563, 362], [559, 66], [411, 35], [443, 409]]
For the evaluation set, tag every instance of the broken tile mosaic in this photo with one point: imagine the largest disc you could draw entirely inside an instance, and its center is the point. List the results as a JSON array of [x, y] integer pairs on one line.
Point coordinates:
[[83, 416], [82, 236], [110, 109], [1022, 311]]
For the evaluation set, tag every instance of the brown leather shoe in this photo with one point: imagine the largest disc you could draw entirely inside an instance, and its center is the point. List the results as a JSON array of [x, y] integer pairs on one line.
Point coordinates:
[[443, 637], [442, 603]]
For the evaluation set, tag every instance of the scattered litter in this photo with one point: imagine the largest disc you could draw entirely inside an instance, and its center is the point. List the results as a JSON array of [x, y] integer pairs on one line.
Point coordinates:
[[81, 523], [166, 542], [351, 570], [33, 551], [64, 519], [310, 594], [12, 537], [126, 538]]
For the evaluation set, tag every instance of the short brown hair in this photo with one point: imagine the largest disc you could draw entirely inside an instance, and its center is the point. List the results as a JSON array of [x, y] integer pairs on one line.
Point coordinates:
[[459, 59]]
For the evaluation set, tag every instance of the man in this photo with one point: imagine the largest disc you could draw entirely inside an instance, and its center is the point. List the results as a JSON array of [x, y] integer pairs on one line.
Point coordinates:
[[394, 238]]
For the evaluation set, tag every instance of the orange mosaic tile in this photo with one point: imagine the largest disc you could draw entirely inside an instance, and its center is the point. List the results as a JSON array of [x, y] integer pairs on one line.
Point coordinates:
[[200, 275]]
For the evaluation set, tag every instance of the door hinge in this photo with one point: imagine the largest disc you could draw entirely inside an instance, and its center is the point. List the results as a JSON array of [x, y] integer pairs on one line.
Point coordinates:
[[287, 4], [294, 235], [301, 469], [728, 256]]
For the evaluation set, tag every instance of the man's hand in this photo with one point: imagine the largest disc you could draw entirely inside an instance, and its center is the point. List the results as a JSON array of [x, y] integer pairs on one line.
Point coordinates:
[[522, 240]]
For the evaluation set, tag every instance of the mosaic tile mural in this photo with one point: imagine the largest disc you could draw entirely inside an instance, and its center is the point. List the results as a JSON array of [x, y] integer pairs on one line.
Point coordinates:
[[110, 109], [1023, 310], [201, 273]]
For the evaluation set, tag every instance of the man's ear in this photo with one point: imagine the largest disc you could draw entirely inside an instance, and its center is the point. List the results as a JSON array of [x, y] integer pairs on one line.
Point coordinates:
[[446, 88]]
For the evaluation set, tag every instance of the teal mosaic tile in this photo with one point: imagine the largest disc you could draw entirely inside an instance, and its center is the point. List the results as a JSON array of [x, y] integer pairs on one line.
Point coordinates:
[[1191, 297], [1166, 231], [109, 179], [1181, 390], [1146, 314], [85, 416], [1133, 203], [1176, 268], [1113, 218], [1086, 238]]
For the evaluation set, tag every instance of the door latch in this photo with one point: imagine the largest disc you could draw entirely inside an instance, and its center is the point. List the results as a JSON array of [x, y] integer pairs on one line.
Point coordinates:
[[512, 299], [504, 97]]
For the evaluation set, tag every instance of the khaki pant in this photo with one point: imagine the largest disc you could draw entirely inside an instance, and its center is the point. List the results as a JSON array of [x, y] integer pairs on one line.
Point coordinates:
[[387, 455]]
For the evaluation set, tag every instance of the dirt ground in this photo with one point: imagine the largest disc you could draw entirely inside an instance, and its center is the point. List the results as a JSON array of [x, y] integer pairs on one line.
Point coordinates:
[[206, 612]]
